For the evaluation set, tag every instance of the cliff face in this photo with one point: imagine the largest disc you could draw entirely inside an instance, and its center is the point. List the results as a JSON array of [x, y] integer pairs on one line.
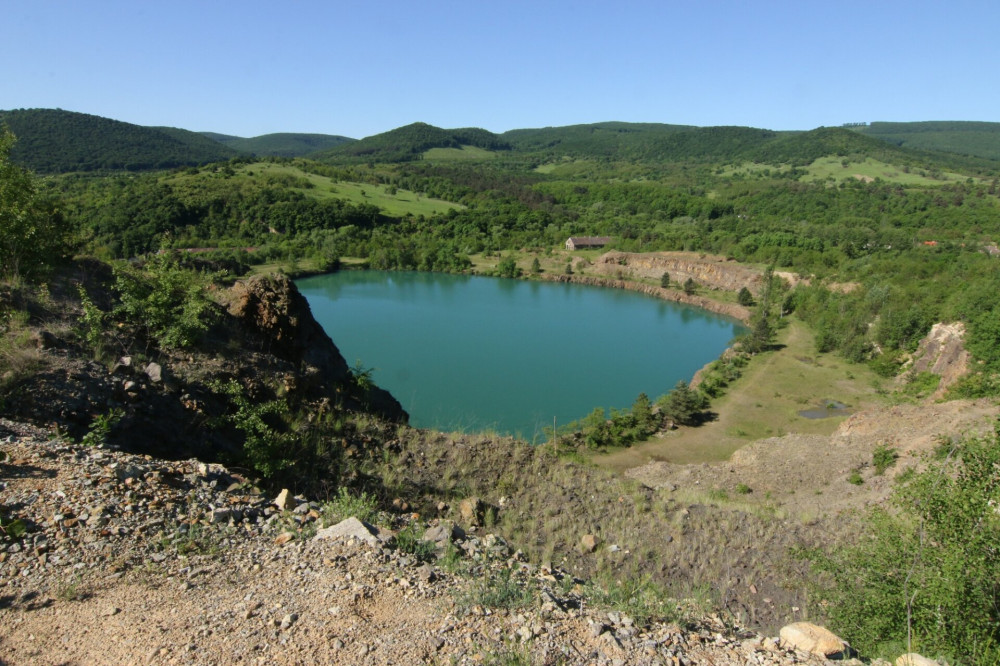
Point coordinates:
[[276, 319], [707, 270]]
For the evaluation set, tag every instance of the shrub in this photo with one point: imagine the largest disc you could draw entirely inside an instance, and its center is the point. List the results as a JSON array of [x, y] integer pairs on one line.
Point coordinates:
[[929, 569], [883, 457], [164, 300], [345, 505]]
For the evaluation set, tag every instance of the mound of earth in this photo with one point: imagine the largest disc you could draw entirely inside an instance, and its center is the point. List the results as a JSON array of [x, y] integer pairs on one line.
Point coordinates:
[[809, 474]]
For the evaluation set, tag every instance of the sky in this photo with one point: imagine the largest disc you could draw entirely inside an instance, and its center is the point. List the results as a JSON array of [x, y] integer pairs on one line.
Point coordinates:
[[360, 68]]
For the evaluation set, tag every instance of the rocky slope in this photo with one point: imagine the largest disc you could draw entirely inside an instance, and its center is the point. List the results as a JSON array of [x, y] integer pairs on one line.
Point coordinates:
[[133, 559], [167, 401]]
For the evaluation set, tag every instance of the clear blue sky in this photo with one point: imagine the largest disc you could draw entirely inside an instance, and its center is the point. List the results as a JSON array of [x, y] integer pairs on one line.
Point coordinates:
[[359, 68]]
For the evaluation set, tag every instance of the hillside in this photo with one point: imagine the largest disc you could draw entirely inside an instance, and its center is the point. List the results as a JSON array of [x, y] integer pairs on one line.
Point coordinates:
[[978, 139], [57, 141], [408, 143], [282, 144]]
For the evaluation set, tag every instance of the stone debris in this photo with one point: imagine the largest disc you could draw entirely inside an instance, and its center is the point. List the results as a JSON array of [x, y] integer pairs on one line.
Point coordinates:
[[182, 562]]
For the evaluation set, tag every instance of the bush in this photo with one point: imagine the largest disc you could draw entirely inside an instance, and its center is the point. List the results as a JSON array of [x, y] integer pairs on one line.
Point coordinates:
[[883, 457], [164, 300], [930, 568]]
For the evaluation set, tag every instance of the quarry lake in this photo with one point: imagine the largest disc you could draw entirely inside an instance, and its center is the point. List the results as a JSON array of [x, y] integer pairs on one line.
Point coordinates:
[[473, 354]]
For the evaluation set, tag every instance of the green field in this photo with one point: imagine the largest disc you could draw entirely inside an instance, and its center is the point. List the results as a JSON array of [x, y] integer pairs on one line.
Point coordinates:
[[834, 167], [400, 204], [840, 169]]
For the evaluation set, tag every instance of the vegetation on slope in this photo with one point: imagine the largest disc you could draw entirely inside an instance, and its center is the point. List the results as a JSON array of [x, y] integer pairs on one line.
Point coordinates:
[[282, 144], [56, 141], [978, 139], [408, 143]]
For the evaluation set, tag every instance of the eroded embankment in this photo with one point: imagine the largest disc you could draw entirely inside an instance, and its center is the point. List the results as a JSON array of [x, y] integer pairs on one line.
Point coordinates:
[[726, 309]]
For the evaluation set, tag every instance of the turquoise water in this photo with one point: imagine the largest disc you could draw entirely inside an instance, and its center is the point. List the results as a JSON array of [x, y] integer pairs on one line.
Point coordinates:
[[473, 353]]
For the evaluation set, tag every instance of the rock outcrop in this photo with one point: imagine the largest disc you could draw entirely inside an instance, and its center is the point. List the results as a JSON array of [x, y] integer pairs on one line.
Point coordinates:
[[711, 271], [942, 352]]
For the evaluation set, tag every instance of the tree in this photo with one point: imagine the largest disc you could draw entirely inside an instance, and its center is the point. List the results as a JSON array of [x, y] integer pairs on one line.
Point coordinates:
[[536, 267], [508, 268], [29, 235], [761, 333], [744, 298], [683, 404], [689, 286], [665, 280]]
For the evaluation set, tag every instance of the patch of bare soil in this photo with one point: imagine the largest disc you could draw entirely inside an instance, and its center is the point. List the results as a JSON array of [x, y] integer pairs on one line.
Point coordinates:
[[808, 475]]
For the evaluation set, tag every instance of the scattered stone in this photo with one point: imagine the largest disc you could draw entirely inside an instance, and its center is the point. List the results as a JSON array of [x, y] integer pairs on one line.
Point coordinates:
[[288, 621]]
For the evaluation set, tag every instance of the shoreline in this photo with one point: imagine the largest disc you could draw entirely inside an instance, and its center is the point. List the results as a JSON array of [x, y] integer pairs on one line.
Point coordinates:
[[738, 312]]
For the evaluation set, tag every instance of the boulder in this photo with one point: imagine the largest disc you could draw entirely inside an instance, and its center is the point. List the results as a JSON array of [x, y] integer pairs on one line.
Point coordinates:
[[588, 543], [352, 528], [284, 500], [471, 510], [808, 637]]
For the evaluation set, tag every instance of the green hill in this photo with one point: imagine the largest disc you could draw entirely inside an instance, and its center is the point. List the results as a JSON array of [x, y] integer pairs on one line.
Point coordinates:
[[408, 143], [282, 144], [669, 143], [978, 139], [57, 141]]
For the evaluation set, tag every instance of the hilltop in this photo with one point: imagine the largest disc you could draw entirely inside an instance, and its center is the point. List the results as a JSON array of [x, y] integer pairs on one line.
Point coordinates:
[[57, 141]]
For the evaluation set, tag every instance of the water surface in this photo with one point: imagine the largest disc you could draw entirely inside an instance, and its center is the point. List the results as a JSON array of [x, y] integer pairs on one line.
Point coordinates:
[[476, 353]]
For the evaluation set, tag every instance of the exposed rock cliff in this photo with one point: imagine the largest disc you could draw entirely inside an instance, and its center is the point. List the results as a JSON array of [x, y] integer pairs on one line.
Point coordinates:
[[708, 270]]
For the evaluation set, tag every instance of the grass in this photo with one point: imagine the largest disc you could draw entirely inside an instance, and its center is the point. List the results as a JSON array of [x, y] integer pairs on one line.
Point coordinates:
[[832, 167], [399, 204]]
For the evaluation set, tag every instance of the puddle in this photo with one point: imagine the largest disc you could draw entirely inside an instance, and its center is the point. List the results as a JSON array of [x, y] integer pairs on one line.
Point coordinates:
[[825, 410]]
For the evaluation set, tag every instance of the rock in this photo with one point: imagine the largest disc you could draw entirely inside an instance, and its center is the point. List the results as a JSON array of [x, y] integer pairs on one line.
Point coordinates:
[[284, 500], [155, 372], [811, 638], [288, 621], [350, 528], [471, 510], [914, 659], [588, 543]]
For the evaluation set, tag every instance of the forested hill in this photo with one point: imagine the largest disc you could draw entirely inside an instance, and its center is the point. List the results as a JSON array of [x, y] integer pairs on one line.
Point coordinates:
[[408, 143], [674, 143], [57, 141], [965, 138], [282, 144]]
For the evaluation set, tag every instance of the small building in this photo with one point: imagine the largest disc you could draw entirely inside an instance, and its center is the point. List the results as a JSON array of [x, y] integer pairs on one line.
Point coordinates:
[[581, 242]]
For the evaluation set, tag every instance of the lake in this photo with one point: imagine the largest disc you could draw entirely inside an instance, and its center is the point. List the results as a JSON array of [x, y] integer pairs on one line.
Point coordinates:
[[473, 353]]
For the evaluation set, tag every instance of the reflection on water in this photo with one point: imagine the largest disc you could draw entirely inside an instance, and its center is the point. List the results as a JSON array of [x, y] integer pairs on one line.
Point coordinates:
[[474, 353]]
